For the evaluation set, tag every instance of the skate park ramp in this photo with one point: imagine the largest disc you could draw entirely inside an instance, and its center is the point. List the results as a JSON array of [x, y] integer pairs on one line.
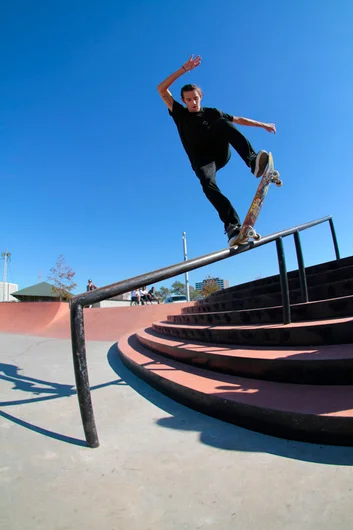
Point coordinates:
[[52, 319]]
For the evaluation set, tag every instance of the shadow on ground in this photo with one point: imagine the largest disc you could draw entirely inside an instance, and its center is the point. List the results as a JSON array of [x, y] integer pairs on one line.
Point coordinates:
[[223, 435], [44, 391]]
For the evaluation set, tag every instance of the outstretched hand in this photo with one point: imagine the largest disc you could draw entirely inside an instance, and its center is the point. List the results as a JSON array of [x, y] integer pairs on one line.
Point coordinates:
[[192, 63], [270, 127]]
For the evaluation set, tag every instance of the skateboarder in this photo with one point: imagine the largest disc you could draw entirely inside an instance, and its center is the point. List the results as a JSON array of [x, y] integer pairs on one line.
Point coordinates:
[[206, 134]]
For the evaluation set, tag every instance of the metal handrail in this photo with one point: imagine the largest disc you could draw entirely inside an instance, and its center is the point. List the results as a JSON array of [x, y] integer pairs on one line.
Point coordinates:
[[77, 303]]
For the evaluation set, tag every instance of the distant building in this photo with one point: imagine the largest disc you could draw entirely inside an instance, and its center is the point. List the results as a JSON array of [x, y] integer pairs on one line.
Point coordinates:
[[5, 294], [40, 292], [223, 284]]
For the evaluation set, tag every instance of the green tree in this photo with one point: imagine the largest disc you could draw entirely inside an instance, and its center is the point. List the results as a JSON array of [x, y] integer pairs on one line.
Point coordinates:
[[162, 293], [178, 288], [210, 286], [62, 276], [194, 294]]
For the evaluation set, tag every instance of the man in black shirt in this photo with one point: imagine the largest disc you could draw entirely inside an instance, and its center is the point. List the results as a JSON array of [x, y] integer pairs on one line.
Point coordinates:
[[206, 134], [91, 286]]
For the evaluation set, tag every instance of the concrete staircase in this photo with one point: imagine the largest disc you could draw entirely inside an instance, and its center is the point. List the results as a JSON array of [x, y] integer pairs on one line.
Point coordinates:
[[231, 356]]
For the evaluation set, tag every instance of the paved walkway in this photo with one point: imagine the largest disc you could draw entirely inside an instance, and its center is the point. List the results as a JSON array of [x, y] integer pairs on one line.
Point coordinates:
[[160, 465]]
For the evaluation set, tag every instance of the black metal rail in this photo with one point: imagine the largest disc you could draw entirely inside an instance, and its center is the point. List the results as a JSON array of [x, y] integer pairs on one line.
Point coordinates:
[[301, 268], [78, 302]]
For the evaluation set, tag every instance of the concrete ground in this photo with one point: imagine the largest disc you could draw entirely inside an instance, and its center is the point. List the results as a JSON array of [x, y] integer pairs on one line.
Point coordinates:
[[160, 465]]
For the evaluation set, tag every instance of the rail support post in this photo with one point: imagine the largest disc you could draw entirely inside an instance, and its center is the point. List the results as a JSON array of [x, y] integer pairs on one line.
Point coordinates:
[[284, 281], [81, 374]]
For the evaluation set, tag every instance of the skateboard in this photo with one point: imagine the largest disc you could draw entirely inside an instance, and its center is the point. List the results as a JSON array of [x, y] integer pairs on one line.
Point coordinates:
[[247, 231]]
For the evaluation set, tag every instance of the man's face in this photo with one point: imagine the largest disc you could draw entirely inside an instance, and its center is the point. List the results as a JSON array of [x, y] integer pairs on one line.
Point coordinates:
[[192, 100]]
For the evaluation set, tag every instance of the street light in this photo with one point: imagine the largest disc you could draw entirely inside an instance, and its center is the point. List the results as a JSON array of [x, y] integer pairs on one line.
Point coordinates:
[[186, 274], [6, 255]]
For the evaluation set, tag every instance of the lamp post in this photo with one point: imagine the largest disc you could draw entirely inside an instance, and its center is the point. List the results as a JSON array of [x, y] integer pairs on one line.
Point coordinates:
[[6, 255], [186, 274]]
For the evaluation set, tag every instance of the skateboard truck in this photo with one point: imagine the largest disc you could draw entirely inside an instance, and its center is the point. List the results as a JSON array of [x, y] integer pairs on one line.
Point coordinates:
[[252, 234]]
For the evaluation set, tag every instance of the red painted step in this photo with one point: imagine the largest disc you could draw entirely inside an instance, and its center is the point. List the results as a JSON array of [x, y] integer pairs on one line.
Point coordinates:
[[331, 331], [321, 414], [332, 364], [318, 310]]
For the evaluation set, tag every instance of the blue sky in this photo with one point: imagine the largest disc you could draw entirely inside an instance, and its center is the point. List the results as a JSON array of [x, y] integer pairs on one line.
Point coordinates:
[[91, 163]]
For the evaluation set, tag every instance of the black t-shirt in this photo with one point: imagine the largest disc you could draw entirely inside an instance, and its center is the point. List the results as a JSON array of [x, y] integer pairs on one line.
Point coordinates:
[[194, 128]]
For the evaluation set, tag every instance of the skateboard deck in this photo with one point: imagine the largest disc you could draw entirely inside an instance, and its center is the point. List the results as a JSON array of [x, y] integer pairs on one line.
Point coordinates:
[[247, 231]]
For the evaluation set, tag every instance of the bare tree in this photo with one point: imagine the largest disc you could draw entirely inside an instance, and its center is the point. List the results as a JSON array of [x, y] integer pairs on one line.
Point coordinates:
[[210, 286], [62, 276]]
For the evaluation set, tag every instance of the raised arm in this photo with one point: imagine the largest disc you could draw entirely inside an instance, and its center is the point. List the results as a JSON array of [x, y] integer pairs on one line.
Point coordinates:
[[163, 87], [270, 127]]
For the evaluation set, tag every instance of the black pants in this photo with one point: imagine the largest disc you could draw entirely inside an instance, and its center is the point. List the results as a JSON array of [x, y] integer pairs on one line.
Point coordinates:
[[217, 154]]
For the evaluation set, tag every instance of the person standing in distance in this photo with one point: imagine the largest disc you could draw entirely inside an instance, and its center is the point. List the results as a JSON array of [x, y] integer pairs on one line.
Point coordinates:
[[91, 286]]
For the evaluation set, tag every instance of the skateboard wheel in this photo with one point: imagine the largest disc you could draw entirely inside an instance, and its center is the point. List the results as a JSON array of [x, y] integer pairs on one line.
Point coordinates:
[[257, 237], [275, 174], [251, 233], [279, 183]]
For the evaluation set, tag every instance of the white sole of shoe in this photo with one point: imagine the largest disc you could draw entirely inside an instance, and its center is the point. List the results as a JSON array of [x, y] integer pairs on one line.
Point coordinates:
[[260, 163]]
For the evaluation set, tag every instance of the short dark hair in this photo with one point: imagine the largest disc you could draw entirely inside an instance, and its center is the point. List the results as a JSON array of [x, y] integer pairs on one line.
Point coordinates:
[[190, 88]]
